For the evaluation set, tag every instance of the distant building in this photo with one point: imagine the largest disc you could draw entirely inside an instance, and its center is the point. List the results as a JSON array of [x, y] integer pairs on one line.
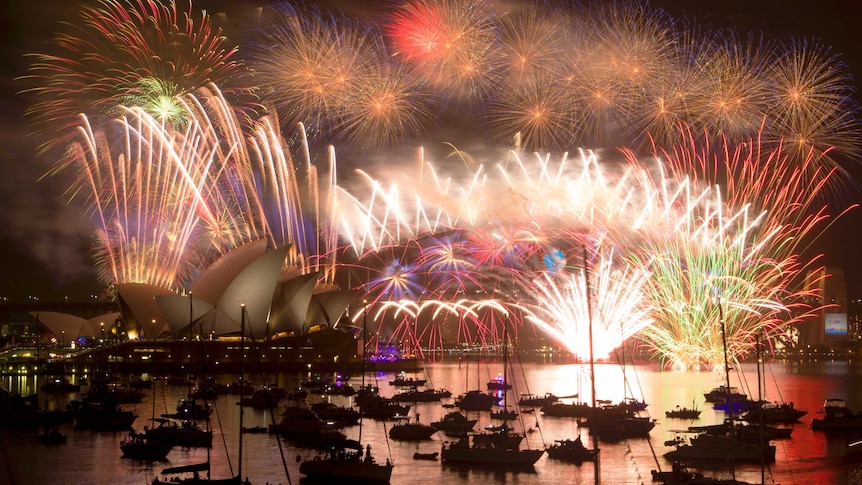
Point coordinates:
[[829, 325]]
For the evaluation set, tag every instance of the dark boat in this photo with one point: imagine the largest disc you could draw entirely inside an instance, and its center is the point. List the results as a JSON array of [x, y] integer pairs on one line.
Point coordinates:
[[683, 413], [415, 431], [179, 433], [837, 417], [455, 423], [505, 414], [707, 447], [60, 386], [425, 456], [297, 420], [425, 395], [571, 450], [137, 446], [476, 401], [617, 424], [563, 410], [254, 429], [499, 384], [101, 416], [488, 453], [347, 464], [191, 409], [678, 474], [407, 382], [773, 413], [721, 392], [340, 415], [537, 401], [173, 476]]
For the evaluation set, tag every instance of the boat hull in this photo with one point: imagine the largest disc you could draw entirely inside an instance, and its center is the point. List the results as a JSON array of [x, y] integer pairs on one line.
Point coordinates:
[[491, 456], [351, 471]]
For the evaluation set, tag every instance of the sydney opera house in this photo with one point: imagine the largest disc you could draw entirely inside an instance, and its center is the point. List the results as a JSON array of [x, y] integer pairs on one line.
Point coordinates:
[[295, 320]]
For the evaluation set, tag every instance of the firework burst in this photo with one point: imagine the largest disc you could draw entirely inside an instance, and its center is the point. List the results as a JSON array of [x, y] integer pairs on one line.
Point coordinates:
[[134, 53]]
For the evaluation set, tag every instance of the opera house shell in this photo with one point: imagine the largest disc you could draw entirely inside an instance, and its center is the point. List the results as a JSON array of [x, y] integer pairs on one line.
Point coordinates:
[[247, 285]]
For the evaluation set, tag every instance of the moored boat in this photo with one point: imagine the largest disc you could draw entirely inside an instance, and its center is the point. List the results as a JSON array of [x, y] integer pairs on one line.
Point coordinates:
[[683, 413], [486, 452], [571, 450], [139, 447]]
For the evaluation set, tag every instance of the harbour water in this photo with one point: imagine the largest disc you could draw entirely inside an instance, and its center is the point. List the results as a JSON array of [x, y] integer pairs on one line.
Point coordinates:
[[809, 457]]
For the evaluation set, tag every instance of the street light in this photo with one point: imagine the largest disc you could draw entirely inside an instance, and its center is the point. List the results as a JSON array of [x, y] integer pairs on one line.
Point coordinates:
[[103, 330]]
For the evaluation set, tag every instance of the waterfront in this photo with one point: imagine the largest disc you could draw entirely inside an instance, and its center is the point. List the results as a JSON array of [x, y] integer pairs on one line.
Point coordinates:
[[809, 457]]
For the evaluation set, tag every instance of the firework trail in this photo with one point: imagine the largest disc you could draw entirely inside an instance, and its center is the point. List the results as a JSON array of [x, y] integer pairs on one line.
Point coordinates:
[[167, 201]]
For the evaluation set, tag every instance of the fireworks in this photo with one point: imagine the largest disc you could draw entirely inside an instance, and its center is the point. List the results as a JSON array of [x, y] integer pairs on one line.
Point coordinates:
[[133, 53], [459, 251]]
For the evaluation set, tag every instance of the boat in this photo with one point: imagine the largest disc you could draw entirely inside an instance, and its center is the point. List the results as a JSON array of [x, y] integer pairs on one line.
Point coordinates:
[[567, 410], [52, 436], [139, 447], [707, 447], [300, 420], [426, 456], [425, 395], [404, 381], [468, 450], [571, 450], [455, 423], [101, 415], [476, 400], [340, 415], [345, 461], [837, 417], [504, 414], [678, 474], [60, 386], [412, 431], [254, 429], [537, 401], [721, 393], [179, 433], [615, 424], [264, 398], [172, 475], [683, 413], [501, 448], [499, 384], [773, 413], [191, 409], [747, 433]]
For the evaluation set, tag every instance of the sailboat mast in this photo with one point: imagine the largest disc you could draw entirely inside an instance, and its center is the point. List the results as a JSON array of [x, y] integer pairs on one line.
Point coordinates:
[[362, 366], [592, 366], [241, 377], [729, 397]]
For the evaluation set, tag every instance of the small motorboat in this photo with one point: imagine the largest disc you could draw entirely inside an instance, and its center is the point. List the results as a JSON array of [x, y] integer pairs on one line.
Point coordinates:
[[425, 456]]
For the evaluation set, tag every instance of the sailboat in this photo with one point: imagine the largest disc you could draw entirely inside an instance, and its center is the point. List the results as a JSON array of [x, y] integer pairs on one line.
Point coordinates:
[[346, 460], [140, 446], [501, 448], [197, 468], [505, 414], [725, 447]]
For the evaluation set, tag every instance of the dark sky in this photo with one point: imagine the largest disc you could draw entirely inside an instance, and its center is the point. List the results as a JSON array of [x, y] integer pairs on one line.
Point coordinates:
[[44, 242]]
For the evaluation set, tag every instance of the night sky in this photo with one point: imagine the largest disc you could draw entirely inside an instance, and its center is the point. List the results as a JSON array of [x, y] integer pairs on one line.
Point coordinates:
[[44, 243]]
